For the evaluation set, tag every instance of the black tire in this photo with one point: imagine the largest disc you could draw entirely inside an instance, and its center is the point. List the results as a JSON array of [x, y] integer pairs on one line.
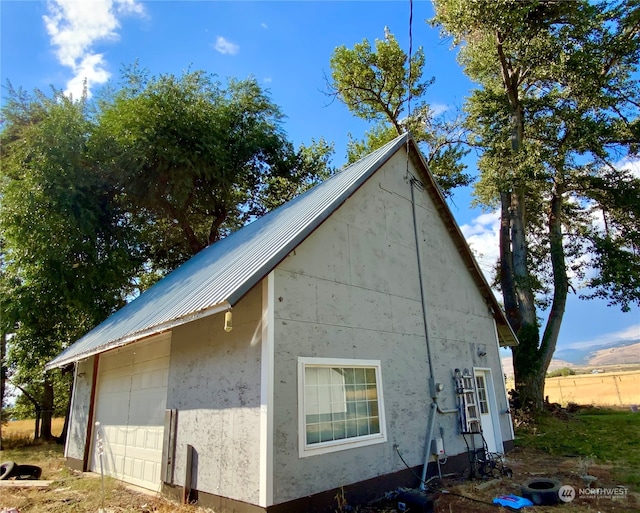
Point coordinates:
[[541, 490], [7, 470], [27, 472]]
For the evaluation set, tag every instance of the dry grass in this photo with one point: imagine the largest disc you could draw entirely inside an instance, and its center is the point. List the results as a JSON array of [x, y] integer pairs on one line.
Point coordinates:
[[70, 492], [74, 492], [604, 389], [22, 430]]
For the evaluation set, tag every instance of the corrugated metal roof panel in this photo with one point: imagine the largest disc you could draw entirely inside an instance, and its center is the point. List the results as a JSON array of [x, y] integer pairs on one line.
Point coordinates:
[[221, 274]]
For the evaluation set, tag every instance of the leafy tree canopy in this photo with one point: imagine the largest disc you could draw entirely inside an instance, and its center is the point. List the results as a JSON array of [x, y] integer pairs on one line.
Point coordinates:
[[555, 113], [381, 84], [99, 200], [194, 160]]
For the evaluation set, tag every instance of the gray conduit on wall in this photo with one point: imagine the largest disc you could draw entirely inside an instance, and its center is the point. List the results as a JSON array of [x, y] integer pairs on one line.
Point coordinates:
[[433, 388]]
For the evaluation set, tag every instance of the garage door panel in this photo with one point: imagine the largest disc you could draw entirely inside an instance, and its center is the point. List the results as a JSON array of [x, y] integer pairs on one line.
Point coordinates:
[[130, 405]]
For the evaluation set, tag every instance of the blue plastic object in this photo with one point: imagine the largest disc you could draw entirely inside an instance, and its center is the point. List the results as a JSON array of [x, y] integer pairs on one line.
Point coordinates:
[[512, 501]]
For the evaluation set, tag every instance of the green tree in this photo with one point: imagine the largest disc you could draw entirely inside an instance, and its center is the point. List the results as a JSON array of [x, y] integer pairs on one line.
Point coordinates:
[[69, 251], [380, 85], [100, 200], [556, 109], [194, 160]]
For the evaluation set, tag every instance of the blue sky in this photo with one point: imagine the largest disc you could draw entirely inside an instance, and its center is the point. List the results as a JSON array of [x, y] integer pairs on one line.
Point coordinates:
[[286, 46]]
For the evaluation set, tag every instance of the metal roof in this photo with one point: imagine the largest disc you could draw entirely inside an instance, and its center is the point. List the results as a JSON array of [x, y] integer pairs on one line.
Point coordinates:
[[216, 278]]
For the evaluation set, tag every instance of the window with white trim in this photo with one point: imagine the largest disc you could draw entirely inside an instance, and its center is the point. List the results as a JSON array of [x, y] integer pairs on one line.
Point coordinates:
[[340, 404], [482, 395]]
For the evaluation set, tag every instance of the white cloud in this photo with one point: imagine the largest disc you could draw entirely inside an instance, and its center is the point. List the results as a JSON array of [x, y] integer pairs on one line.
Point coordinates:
[[438, 108], [264, 26], [630, 333], [483, 236], [74, 26], [226, 47], [632, 164], [267, 80]]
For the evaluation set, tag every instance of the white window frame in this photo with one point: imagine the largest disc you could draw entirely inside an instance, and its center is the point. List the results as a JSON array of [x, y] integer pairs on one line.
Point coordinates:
[[305, 449]]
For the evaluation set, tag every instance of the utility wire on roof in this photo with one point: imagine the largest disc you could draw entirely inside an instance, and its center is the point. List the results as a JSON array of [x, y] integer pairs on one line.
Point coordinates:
[[409, 176]]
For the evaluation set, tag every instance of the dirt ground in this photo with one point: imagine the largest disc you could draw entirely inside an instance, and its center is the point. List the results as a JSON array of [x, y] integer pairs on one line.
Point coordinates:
[[84, 494]]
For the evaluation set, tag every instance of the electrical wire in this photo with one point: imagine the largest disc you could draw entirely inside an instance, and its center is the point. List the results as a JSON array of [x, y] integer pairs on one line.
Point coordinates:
[[410, 55], [438, 490], [409, 468]]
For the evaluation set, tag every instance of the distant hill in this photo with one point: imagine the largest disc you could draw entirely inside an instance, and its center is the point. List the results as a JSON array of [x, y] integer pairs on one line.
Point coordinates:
[[615, 353], [507, 365], [627, 351]]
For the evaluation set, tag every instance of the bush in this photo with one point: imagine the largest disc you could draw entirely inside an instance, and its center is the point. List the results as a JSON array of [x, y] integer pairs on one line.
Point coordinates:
[[565, 371]]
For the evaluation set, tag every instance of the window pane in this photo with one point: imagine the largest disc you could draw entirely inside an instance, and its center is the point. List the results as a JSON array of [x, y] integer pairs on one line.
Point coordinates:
[[324, 399], [313, 433], [352, 428], [363, 427], [326, 432], [349, 376], [338, 398], [361, 409], [340, 403], [350, 392], [324, 375], [311, 375], [371, 375], [313, 419]]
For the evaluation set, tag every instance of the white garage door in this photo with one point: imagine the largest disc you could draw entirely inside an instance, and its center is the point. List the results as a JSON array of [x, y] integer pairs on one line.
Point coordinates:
[[131, 398]]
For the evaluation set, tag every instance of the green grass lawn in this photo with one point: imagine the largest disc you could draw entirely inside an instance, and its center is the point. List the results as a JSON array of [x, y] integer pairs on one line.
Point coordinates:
[[604, 436]]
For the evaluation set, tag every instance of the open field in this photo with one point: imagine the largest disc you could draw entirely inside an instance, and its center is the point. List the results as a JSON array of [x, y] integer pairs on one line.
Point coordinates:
[[23, 429], [616, 386], [603, 389], [602, 443]]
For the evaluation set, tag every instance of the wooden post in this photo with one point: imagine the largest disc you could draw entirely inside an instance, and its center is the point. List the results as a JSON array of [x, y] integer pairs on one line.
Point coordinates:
[[169, 446], [186, 489], [89, 434]]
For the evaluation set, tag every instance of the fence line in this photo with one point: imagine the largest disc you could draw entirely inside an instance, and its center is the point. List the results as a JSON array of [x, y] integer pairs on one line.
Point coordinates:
[[602, 389]]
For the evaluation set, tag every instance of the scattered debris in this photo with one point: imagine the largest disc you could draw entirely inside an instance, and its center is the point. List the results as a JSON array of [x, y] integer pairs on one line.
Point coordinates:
[[512, 501], [541, 490], [487, 484], [414, 500], [25, 483], [11, 470]]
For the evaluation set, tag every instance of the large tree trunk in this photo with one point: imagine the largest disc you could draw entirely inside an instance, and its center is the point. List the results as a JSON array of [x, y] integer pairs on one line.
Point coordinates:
[[560, 281], [47, 409], [37, 408], [532, 357], [520, 304], [520, 252], [36, 427], [507, 283], [527, 368], [3, 378]]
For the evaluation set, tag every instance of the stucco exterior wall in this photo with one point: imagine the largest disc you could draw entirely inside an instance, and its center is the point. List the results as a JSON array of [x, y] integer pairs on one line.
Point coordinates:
[[214, 383], [351, 290], [79, 415]]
